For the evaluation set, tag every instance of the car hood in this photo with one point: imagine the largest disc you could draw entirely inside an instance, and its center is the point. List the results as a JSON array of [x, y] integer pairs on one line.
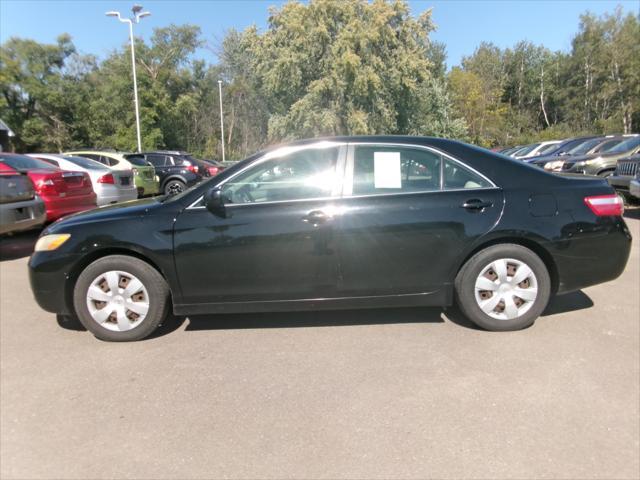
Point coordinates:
[[109, 212]]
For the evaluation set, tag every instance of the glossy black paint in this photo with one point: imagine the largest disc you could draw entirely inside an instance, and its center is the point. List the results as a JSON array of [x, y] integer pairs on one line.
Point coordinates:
[[363, 251]]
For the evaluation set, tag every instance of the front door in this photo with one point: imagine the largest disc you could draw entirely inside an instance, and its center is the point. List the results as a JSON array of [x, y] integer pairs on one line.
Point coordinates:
[[275, 241], [407, 215]]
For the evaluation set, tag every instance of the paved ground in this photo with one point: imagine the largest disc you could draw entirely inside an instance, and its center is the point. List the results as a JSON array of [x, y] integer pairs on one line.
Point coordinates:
[[365, 394]]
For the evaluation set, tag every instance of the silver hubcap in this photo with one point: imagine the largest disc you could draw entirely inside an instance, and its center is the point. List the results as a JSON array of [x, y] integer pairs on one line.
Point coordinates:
[[117, 301], [506, 289]]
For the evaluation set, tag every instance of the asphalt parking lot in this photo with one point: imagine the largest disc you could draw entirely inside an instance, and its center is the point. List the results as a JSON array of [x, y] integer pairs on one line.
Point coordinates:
[[397, 393]]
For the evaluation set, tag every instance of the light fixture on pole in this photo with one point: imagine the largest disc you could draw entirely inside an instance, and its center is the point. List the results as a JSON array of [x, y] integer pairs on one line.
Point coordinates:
[[221, 118], [137, 15]]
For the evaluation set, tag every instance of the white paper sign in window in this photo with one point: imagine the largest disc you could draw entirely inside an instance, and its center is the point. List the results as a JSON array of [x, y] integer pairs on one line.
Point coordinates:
[[386, 170]]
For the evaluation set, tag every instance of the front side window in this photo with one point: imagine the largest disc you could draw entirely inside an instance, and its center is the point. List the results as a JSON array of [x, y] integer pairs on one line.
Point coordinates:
[[305, 174], [380, 169]]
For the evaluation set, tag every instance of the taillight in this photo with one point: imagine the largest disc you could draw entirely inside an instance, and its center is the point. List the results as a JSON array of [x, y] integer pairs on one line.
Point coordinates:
[[108, 178], [605, 205], [46, 187], [213, 171], [192, 168]]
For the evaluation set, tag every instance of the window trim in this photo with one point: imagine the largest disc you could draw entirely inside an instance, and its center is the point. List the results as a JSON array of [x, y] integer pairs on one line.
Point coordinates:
[[287, 150], [348, 186]]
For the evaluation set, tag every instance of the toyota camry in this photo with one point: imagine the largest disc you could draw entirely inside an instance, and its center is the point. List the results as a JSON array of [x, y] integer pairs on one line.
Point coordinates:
[[338, 223]]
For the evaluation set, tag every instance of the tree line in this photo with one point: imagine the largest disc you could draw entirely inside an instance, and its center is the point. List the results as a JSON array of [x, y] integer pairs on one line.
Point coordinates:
[[326, 67]]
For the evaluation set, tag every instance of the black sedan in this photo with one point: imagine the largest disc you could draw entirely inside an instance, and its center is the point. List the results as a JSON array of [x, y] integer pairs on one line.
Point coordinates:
[[344, 222]]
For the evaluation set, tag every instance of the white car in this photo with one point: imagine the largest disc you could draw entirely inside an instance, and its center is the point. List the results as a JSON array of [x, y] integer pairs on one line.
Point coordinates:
[[535, 149], [110, 185]]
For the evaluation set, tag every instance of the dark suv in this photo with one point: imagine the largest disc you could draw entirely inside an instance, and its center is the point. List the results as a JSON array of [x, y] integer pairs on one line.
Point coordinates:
[[177, 170]]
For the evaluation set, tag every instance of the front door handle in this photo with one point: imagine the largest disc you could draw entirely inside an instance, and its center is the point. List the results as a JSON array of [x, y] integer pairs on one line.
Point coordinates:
[[476, 204], [315, 218]]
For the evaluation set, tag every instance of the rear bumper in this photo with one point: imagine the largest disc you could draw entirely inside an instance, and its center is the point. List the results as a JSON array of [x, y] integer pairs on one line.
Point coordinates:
[[19, 216], [60, 206], [634, 188], [146, 186], [109, 194], [592, 255]]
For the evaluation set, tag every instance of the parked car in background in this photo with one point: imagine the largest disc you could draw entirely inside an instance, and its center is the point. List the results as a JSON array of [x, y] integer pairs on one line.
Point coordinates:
[[634, 186], [535, 149], [626, 170], [334, 223], [20, 206], [561, 149], [63, 192], [602, 164], [144, 175], [209, 168], [175, 170], [110, 185]]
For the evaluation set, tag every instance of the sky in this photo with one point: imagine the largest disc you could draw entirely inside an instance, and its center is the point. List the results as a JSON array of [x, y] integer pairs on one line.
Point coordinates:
[[462, 24]]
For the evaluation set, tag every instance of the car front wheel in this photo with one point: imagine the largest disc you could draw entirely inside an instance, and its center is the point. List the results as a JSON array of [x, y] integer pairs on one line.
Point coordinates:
[[504, 287], [120, 298]]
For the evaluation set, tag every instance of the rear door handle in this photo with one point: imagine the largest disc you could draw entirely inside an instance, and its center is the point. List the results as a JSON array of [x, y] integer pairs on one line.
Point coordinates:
[[315, 218], [476, 204]]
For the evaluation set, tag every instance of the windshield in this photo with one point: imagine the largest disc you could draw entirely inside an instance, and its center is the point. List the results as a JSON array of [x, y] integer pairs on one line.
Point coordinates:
[[625, 146], [584, 147], [547, 148], [20, 162], [85, 163], [526, 150]]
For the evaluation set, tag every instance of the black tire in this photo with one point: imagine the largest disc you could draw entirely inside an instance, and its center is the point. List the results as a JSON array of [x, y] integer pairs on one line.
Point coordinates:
[[157, 289], [174, 186], [466, 280]]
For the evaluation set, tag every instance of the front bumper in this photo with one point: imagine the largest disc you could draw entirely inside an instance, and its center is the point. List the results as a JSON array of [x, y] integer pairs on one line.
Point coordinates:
[[620, 182], [634, 188], [48, 277]]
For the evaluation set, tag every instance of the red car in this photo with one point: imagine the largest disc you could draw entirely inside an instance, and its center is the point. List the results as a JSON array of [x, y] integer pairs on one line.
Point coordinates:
[[63, 192]]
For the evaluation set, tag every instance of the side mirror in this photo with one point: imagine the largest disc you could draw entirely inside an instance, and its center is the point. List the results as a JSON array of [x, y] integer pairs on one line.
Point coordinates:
[[214, 202]]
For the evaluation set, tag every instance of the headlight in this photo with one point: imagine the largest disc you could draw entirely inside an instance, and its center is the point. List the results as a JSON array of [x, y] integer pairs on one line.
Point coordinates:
[[555, 166], [51, 242], [593, 160], [157, 178]]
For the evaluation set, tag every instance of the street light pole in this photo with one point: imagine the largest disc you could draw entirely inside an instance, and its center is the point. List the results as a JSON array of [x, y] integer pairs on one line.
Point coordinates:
[[221, 118], [137, 15]]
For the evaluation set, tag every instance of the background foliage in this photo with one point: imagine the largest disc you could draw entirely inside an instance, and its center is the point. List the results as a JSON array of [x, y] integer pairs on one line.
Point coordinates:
[[326, 67]]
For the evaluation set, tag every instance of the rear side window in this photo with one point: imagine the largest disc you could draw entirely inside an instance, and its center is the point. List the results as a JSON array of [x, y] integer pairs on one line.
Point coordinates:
[[157, 160], [137, 160], [380, 169], [458, 177]]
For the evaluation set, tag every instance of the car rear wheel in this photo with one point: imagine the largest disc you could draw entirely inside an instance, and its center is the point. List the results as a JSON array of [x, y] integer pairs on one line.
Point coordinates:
[[174, 187], [504, 287], [120, 298]]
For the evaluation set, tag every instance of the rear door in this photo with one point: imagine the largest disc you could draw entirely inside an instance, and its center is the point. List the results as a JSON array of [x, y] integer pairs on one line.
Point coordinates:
[[407, 214]]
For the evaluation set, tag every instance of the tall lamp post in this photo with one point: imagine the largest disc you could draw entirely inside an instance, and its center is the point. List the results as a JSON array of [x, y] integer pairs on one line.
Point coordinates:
[[137, 15], [221, 118]]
